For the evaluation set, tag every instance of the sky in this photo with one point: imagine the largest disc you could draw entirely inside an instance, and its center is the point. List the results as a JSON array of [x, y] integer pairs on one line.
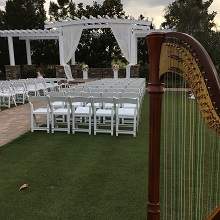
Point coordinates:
[[149, 8]]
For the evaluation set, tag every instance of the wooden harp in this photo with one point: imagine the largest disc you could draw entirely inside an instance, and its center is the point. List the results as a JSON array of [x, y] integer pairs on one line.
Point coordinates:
[[184, 146]]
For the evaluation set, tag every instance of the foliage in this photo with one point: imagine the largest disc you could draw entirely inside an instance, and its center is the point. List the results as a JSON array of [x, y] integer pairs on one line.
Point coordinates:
[[189, 16], [24, 14], [119, 63], [193, 17], [215, 50]]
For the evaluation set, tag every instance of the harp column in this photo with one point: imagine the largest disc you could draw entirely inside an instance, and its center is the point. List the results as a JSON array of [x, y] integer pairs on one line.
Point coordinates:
[[155, 90]]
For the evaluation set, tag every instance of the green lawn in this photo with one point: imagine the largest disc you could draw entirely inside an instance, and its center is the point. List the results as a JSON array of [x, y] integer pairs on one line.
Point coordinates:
[[84, 177], [75, 176]]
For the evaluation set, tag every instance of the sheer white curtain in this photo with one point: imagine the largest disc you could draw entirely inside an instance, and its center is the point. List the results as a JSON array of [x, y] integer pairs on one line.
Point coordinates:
[[122, 35], [71, 38], [68, 72]]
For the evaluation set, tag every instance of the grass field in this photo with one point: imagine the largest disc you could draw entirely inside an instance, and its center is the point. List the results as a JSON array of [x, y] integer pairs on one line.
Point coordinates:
[[84, 177]]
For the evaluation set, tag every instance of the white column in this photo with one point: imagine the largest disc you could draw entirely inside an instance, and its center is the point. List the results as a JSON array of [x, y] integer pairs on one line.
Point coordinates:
[[73, 59], [128, 71], [61, 50], [28, 51], [134, 42], [11, 51]]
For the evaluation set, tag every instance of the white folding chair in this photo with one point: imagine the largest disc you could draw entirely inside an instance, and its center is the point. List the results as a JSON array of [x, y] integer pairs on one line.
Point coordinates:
[[126, 118], [60, 117], [81, 115], [57, 104], [31, 87], [104, 114], [20, 91], [43, 110], [7, 95]]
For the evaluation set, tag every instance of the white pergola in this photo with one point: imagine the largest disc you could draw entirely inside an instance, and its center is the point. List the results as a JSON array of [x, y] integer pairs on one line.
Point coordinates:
[[126, 32], [27, 35], [68, 32]]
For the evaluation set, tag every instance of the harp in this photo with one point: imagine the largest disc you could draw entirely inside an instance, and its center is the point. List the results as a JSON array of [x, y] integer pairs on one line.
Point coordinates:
[[184, 145]]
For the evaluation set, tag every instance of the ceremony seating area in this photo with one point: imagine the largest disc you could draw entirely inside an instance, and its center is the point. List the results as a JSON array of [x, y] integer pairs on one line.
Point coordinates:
[[16, 91], [103, 106]]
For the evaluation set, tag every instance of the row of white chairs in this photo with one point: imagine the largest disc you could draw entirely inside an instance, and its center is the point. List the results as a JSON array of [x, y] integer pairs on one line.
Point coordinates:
[[110, 85], [81, 114], [16, 91]]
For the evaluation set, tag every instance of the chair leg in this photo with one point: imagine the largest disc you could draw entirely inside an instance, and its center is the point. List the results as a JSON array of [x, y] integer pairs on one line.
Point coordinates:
[[117, 125], [9, 102], [23, 97], [52, 123], [73, 124], [90, 125], [68, 123], [95, 125], [14, 100], [32, 122], [135, 126], [112, 125], [48, 123]]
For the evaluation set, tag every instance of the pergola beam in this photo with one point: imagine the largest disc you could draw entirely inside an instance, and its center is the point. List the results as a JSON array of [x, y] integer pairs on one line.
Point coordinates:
[[30, 33], [39, 38], [97, 21]]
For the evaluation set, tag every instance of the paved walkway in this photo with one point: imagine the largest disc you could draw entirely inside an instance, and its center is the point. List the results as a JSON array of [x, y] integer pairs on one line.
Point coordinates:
[[13, 123]]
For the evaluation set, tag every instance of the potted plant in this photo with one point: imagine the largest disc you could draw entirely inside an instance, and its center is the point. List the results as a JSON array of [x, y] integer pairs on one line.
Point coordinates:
[[115, 68], [85, 69]]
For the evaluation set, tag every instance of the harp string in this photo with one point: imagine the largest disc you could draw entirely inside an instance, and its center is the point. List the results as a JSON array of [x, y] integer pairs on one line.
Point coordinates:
[[185, 152], [198, 168], [165, 153], [182, 150]]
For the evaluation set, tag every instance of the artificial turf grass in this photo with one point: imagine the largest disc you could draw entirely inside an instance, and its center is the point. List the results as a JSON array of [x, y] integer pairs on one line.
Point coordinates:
[[75, 176], [103, 177]]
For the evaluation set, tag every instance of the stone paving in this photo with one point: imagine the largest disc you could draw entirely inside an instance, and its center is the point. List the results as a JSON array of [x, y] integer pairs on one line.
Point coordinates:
[[14, 122]]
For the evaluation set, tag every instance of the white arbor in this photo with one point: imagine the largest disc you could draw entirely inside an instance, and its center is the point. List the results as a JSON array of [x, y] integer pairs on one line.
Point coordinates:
[[68, 32], [28, 36], [125, 31]]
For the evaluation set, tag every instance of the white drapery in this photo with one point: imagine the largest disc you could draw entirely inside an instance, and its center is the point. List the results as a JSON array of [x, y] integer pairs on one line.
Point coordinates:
[[71, 38], [122, 34], [68, 72]]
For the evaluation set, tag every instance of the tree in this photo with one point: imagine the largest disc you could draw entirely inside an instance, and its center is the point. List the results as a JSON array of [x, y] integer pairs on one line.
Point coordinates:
[[189, 16], [112, 8], [25, 14], [62, 9], [192, 17], [21, 14], [215, 54]]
